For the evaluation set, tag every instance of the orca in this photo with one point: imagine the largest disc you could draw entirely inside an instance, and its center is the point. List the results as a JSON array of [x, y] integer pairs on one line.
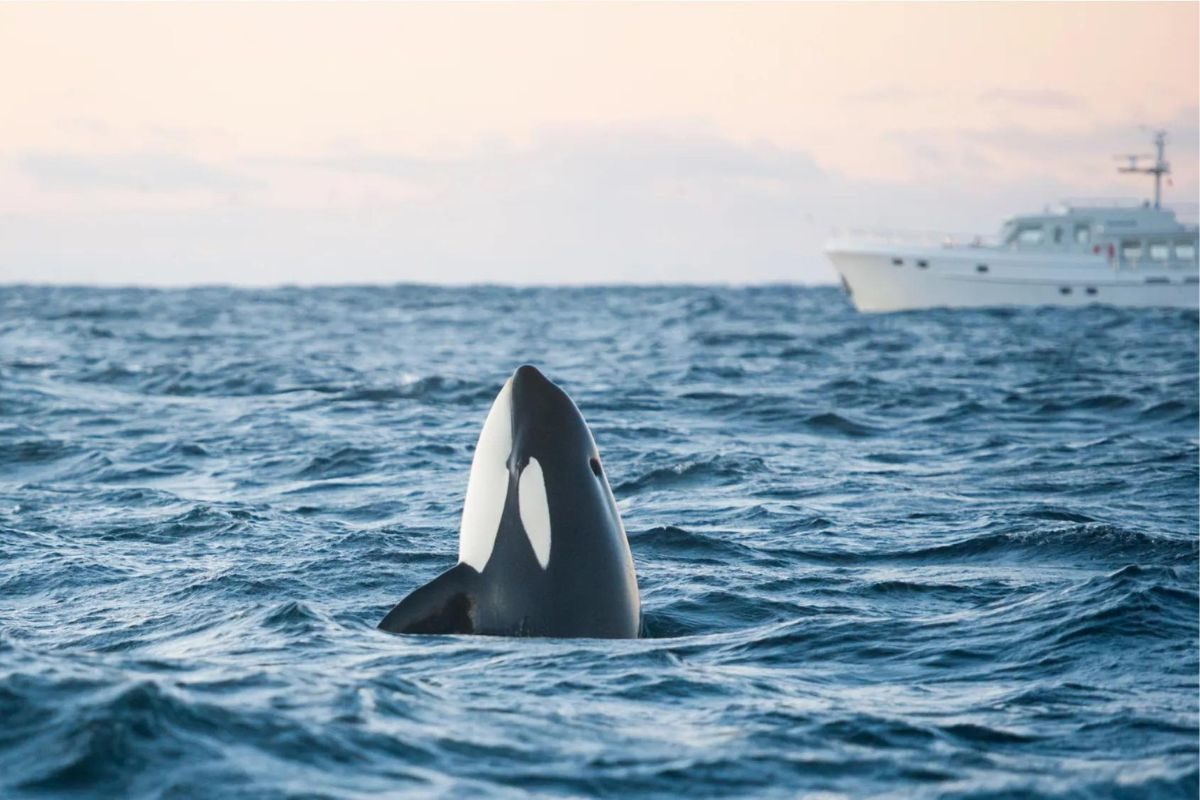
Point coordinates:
[[541, 550]]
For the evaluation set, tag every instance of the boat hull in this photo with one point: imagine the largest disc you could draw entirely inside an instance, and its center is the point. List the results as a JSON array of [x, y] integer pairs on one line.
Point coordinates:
[[880, 279]]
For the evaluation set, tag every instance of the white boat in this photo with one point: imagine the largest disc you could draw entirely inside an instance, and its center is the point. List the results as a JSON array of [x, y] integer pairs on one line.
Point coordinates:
[[1075, 254]]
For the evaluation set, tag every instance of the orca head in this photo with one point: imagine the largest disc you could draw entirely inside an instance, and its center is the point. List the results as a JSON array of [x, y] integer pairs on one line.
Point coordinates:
[[542, 551], [536, 442]]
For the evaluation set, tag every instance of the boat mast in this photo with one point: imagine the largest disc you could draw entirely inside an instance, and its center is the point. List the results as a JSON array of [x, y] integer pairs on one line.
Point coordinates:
[[1159, 168]]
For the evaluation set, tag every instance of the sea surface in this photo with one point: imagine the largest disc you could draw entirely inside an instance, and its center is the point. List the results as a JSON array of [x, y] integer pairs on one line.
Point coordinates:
[[934, 554]]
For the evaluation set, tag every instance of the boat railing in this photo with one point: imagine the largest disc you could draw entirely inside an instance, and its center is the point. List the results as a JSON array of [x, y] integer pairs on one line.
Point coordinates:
[[914, 238], [1102, 202], [1186, 213]]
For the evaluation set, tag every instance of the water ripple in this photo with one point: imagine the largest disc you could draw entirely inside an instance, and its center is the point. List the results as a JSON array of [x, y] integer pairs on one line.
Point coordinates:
[[930, 554]]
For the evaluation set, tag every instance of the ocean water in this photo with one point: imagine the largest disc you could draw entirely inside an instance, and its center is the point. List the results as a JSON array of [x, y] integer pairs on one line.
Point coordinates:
[[937, 554]]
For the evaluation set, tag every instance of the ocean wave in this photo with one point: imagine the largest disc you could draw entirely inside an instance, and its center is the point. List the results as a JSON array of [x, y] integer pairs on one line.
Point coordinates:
[[935, 554], [712, 471], [431, 388], [1096, 542], [830, 422], [343, 462]]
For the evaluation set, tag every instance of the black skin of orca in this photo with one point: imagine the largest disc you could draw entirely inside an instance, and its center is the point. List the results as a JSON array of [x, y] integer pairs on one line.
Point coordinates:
[[588, 589]]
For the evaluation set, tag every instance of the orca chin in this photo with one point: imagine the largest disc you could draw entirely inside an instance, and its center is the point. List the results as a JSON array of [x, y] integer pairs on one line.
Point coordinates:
[[541, 549]]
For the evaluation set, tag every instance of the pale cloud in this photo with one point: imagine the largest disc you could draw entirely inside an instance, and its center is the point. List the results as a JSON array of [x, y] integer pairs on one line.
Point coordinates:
[[894, 94], [633, 153], [1078, 155], [1034, 98], [138, 171], [579, 206], [557, 143]]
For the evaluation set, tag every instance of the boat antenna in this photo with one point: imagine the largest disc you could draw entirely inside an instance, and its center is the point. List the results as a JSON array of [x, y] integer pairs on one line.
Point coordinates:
[[1158, 169]]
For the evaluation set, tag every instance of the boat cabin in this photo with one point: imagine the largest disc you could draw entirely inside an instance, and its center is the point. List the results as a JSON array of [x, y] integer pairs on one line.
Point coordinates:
[[1132, 236]]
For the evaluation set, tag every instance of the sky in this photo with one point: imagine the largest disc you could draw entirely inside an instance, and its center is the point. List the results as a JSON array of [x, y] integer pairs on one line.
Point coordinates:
[[278, 143]]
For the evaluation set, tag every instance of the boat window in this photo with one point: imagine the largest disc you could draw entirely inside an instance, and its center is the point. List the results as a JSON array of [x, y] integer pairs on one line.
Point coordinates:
[[1064, 290], [898, 261], [1083, 234], [1159, 251], [981, 267], [1185, 251], [922, 263], [1029, 235], [1131, 250], [1057, 235], [1091, 290]]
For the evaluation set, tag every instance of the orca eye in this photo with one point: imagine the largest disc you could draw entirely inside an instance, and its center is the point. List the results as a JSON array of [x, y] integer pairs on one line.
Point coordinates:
[[595, 462]]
